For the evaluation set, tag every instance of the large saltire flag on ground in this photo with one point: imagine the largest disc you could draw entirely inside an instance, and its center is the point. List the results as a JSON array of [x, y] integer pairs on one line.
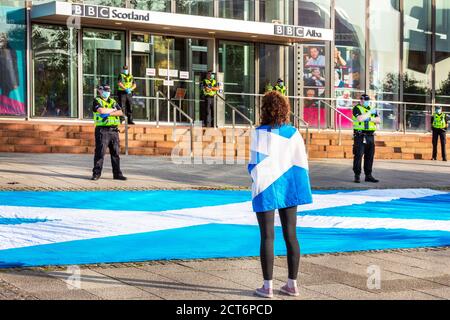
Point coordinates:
[[73, 227], [279, 169]]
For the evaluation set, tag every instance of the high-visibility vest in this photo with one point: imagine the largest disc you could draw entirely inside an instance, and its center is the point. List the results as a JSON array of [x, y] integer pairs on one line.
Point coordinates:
[[281, 89], [207, 83], [111, 121], [364, 125], [127, 81], [439, 121]]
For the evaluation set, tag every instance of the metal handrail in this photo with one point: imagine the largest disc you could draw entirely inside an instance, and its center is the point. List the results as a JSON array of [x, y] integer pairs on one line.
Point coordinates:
[[234, 110], [306, 124], [341, 114], [175, 108]]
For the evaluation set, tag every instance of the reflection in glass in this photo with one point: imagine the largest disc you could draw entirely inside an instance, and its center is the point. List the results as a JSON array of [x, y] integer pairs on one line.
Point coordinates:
[[276, 10], [236, 61], [237, 9], [350, 45], [103, 58], [314, 13], [185, 55], [417, 62], [443, 51], [270, 66], [55, 71], [196, 7], [152, 5], [384, 72], [112, 3]]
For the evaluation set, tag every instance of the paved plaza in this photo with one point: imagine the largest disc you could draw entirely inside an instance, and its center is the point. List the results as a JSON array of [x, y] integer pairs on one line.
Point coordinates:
[[404, 274]]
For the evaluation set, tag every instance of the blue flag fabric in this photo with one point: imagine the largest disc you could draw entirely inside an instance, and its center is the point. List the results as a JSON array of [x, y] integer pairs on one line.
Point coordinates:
[[279, 169]]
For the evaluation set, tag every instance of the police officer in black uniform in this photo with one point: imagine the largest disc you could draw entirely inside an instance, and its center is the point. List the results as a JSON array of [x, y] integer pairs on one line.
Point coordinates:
[[439, 124], [209, 88], [126, 86], [365, 120], [107, 113]]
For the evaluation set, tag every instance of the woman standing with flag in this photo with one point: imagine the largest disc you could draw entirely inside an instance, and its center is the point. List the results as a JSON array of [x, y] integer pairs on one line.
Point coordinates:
[[279, 170]]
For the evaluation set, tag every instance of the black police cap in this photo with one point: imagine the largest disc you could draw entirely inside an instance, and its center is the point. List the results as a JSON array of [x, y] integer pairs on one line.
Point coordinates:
[[104, 87], [365, 97]]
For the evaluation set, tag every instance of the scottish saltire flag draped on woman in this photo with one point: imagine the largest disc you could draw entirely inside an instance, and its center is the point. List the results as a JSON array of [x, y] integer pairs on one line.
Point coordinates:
[[279, 168]]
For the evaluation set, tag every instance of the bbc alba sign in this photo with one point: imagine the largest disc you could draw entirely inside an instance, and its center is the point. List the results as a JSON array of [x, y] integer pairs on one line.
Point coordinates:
[[91, 11], [296, 31]]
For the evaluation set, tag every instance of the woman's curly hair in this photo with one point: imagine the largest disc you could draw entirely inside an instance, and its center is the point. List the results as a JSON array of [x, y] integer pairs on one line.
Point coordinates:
[[275, 109]]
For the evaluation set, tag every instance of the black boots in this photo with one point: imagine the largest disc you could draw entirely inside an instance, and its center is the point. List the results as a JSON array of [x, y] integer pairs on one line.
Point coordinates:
[[368, 179], [120, 177], [371, 179], [95, 177]]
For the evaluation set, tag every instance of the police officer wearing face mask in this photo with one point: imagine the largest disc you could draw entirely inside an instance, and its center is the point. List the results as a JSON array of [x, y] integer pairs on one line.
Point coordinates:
[[126, 87], [107, 115], [365, 120], [209, 88], [439, 123], [280, 87]]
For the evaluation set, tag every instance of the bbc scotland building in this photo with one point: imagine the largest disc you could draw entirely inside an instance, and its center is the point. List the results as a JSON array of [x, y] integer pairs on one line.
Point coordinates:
[[53, 54]]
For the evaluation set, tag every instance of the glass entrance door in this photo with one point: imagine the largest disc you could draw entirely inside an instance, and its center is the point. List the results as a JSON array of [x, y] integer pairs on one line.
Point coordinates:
[[167, 67], [103, 58]]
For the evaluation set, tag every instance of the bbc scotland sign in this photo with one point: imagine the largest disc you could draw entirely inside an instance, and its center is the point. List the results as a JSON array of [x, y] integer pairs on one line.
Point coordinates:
[[91, 11]]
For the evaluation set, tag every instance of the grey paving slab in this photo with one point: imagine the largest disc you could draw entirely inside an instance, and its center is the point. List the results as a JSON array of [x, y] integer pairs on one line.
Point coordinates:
[[407, 295], [34, 281], [155, 284], [342, 292], [443, 292], [74, 171]]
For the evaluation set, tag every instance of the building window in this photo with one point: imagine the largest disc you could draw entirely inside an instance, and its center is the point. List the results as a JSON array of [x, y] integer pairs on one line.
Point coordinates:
[[103, 59], [237, 9], [443, 52], [281, 11], [384, 71], [112, 3], [349, 54], [12, 58], [196, 7], [152, 5], [237, 62], [54, 71], [417, 62], [314, 13]]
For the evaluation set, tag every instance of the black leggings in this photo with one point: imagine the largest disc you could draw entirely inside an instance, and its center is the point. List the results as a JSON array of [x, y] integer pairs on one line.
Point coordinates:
[[288, 217]]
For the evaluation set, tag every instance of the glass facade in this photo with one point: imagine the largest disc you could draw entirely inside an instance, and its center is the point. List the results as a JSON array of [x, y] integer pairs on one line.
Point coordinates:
[[12, 58], [103, 58], [55, 67], [398, 51], [196, 7], [237, 9]]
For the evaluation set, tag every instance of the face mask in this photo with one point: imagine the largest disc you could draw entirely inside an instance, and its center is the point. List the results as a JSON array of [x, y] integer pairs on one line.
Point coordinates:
[[281, 84], [213, 76], [105, 95], [438, 110], [366, 103], [125, 72]]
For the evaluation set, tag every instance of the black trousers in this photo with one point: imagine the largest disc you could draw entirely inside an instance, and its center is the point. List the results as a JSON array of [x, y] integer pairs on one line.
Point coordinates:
[[288, 217], [207, 111], [107, 137], [126, 103], [439, 134], [360, 150]]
